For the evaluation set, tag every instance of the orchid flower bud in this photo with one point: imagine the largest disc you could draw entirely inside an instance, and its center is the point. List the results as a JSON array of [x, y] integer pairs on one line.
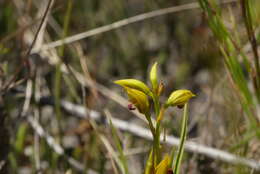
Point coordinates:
[[134, 84], [153, 77], [179, 98], [138, 99]]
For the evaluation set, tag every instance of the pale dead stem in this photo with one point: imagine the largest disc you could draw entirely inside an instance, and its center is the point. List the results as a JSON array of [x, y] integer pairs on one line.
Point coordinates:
[[36, 113], [2, 163], [55, 146], [37, 42], [122, 23], [190, 146], [83, 63], [28, 96], [111, 153]]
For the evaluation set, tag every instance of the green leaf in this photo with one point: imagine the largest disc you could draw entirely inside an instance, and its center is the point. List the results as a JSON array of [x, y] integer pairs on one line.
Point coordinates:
[[122, 157]]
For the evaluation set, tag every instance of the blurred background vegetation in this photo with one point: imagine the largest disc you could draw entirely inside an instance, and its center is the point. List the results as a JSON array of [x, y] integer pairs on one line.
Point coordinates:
[[218, 67]]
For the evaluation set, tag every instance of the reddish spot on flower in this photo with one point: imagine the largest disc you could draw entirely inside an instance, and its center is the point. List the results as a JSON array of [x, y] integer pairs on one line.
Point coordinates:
[[169, 171], [131, 107], [180, 106]]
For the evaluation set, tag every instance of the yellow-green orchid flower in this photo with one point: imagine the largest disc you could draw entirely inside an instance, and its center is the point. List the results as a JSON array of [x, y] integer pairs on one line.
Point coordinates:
[[138, 99], [163, 166], [179, 98], [134, 84]]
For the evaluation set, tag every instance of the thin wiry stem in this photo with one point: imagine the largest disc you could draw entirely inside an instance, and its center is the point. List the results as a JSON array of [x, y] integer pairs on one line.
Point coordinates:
[[25, 58]]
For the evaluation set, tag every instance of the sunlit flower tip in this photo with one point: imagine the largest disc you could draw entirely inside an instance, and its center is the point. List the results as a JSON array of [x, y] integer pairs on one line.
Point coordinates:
[[163, 166], [138, 99], [179, 98], [134, 84], [153, 76]]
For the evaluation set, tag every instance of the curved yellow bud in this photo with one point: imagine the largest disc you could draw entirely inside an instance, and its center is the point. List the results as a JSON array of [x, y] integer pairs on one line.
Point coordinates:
[[179, 97], [153, 76], [134, 84], [139, 99], [163, 166]]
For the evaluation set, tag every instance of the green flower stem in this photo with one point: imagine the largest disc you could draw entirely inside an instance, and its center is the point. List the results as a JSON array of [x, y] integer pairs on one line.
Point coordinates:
[[154, 153], [157, 134], [157, 143], [156, 104], [150, 123]]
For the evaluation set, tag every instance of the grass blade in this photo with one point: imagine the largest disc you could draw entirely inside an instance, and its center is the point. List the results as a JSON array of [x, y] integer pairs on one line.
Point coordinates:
[[183, 138]]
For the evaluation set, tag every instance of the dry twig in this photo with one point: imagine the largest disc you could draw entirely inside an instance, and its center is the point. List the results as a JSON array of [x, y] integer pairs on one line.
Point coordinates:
[[26, 56], [121, 23], [56, 147], [190, 146]]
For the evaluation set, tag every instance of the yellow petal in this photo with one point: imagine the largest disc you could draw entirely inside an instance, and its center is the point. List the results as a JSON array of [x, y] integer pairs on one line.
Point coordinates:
[[179, 97], [134, 84], [153, 76], [163, 166], [139, 99]]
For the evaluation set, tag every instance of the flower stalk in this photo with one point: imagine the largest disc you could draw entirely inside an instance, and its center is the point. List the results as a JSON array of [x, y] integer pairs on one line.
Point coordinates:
[[139, 94]]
